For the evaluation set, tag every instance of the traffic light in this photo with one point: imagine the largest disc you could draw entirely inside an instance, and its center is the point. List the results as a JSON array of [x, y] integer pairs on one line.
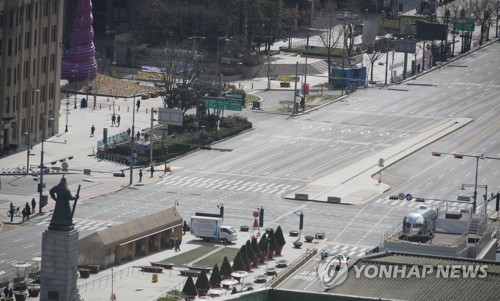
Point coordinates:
[[436, 154], [301, 221], [458, 156], [261, 217], [420, 200]]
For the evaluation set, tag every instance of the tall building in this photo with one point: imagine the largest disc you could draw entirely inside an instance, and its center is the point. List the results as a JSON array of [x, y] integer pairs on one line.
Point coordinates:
[[30, 56]]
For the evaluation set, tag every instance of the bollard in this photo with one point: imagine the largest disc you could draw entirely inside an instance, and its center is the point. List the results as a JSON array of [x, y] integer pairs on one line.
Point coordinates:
[[252, 85], [118, 108], [109, 107], [239, 85], [128, 109], [146, 110], [100, 106]]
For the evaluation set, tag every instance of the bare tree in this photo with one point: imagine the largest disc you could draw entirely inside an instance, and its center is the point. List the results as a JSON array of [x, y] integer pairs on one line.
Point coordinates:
[[333, 31], [374, 52]]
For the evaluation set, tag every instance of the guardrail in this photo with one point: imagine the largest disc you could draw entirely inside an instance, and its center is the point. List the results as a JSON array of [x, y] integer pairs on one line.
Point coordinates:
[[293, 267], [104, 280]]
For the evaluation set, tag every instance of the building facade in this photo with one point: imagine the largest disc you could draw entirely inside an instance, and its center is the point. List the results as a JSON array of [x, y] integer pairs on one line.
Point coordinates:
[[30, 56]]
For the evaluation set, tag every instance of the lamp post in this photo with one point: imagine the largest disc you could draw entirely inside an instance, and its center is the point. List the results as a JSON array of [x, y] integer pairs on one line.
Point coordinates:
[[153, 111], [42, 201], [132, 145], [67, 112], [74, 72], [219, 62]]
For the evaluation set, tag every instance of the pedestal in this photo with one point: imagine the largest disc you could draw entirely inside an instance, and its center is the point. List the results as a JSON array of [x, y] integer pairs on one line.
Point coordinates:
[[59, 269]]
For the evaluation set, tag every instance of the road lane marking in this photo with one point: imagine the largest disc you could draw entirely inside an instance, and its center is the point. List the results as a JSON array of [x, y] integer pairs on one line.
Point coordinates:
[[28, 246], [18, 240]]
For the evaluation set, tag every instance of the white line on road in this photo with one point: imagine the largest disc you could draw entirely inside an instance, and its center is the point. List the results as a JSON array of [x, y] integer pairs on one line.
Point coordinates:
[[28, 246], [18, 240], [3, 254]]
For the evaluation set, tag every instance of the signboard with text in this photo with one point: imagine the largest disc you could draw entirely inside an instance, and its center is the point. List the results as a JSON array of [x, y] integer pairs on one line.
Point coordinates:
[[223, 104]]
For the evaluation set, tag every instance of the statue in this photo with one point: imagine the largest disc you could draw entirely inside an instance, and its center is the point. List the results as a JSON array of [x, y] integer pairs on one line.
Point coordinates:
[[62, 218]]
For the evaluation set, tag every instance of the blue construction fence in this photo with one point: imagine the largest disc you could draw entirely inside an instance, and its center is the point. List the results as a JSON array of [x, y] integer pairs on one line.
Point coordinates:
[[112, 141], [352, 77]]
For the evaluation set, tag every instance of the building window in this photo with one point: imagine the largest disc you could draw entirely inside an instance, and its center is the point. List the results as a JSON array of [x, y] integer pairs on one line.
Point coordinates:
[[55, 4], [9, 47], [45, 8], [36, 10], [11, 18], [27, 40], [26, 69], [15, 102], [8, 76], [34, 67], [43, 93], [18, 72], [25, 99], [21, 15], [34, 38], [44, 64], [29, 9], [1, 43], [15, 75], [1, 18], [51, 91], [7, 104], [15, 46], [52, 62], [45, 35], [53, 36]]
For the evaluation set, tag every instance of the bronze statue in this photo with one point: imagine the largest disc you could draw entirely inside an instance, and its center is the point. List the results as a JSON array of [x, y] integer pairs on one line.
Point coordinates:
[[62, 218]]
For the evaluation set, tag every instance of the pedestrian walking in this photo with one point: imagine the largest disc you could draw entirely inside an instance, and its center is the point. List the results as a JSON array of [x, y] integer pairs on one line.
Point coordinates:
[[6, 291], [92, 130], [146, 136], [184, 227], [33, 205], [138, 104], [118, 119], [178, 244], [24, 214], [128, 132], [140, 175], [172, 241], [113, 120], [152, 169], [28, 210], [138, 135]]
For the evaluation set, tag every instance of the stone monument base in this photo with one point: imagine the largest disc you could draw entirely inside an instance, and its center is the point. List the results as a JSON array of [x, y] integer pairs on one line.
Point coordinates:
[[59, 271]]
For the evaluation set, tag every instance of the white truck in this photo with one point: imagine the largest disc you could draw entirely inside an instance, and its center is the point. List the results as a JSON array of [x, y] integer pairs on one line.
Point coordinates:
[[211, 228]]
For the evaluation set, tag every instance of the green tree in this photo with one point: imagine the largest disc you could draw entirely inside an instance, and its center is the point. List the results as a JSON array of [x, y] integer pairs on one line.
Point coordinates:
[[272, 241], [255, 247], [225, 268], [250, 253], [280, 239], [238, 264], [189, 288], [215, 277], [263, 244], [244, 255], [202, 283]]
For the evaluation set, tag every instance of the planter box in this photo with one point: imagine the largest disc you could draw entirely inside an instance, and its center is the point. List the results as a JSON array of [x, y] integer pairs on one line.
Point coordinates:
[[84, 273], [262, 258], [34, 292], [297, 244], [320, 235], [270, 254], [244, 228], [294, 233], [309, 238], [255, 262], [18, 296], [278, 251]]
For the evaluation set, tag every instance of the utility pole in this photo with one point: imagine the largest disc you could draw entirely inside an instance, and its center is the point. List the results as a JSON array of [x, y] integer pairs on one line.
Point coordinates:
[[305, 67], [151, 137], [295, 89], [132, 145]]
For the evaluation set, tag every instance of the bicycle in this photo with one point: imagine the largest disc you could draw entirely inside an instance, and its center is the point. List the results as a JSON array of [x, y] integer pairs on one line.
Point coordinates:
[[16, 212]]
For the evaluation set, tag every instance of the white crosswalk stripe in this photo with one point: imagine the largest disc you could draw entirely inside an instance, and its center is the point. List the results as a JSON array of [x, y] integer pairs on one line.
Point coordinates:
[[82, 224], [351, 251], [229, 185]]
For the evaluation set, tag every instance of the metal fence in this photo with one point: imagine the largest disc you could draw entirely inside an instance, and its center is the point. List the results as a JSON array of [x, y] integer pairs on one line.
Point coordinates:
[[118, 138], [292, 267], [105, 280]]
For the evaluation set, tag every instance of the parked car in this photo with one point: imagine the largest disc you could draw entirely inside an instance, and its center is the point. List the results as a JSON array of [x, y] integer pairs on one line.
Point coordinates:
[[347, 16]]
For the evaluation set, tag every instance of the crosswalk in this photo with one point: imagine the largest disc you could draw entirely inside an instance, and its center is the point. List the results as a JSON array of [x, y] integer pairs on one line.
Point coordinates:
[[452, 206], [352, 251], [228, 185], [80, 224]]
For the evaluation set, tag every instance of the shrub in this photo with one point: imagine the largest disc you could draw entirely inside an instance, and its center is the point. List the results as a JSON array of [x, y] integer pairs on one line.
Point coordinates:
[[189, 288], [215, 277], [272, 241], [238, 264], [280, 239], [255, 247], [225, 268], [263, 243], [202, 283]]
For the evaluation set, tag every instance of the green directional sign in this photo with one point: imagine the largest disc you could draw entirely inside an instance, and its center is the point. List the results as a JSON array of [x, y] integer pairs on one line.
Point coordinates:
[[466, 26], [224, 104]]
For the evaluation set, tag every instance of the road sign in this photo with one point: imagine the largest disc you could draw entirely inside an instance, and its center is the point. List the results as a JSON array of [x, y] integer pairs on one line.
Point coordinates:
[[401, 196], [351, 59], [463, 26], [170, 116], [463, 198], [408, 197], [225, 104]]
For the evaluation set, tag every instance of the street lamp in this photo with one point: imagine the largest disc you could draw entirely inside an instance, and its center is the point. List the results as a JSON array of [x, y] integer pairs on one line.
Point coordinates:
[[67, 112], [74, 72], [153, 111], [497, 16], [43, 199], [219, 61]]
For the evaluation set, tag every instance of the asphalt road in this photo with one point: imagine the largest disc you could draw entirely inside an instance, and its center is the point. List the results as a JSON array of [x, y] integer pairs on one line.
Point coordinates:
[[282, 154]]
